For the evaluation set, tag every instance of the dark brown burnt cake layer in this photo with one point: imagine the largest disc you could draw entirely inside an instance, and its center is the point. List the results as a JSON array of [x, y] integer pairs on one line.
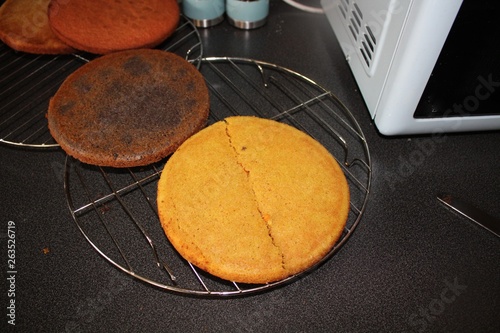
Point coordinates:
[[128, 108]]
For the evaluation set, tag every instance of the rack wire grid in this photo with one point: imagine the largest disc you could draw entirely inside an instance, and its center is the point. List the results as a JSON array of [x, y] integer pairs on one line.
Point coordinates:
[[28, 81], [115, 209]]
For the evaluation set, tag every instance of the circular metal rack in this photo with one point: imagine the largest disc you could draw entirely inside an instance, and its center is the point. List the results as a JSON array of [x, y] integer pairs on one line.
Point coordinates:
[[28, 81], [115, 209]]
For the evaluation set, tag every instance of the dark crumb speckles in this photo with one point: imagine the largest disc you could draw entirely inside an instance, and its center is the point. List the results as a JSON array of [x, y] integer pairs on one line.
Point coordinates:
[[127, 139], [136, 66], [66, 107], [105, 73], [190, 103], [82, 85], [118, 89], [191, 87], [104, 209], [182, 72]]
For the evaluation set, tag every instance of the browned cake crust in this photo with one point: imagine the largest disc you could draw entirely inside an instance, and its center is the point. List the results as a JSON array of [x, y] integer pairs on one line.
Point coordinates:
[[24, 26], [128, 108], [102, 27], [252, 200]]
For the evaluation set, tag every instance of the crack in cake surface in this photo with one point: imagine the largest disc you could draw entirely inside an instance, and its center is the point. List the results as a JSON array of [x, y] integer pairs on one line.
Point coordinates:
[[266, 218]]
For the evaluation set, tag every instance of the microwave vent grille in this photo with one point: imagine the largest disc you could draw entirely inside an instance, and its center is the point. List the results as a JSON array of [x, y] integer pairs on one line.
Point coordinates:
[[359, 31]]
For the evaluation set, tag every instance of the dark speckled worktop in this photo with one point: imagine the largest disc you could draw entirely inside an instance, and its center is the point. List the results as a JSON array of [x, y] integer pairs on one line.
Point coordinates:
[[410, 266]]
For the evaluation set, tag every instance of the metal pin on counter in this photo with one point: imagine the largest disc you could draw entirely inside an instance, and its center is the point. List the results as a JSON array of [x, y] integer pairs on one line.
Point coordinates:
[[204, 13], [247, 14]]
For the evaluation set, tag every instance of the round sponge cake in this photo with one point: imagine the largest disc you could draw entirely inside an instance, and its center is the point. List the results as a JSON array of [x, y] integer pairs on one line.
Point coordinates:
[[252, 200], [24, 26], [102, 27], [128, 108]]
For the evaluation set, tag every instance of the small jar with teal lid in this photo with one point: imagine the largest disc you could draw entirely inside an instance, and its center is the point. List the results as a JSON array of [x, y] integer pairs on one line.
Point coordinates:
[[204, 13], [247, 14]]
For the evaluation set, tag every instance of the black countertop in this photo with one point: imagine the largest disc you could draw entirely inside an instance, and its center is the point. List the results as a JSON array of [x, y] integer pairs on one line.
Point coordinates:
[[410, 266]]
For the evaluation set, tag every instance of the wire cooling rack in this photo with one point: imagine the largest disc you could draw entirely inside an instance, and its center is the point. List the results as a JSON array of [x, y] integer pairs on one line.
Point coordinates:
[[115, 209], [28, 81]]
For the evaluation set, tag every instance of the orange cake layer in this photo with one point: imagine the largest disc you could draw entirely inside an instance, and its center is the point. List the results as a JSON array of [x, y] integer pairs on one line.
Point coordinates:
[[102, 27]]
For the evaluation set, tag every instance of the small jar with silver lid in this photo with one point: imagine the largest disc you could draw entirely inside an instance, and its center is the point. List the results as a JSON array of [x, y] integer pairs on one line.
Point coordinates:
[[204, 13], [247, 14]]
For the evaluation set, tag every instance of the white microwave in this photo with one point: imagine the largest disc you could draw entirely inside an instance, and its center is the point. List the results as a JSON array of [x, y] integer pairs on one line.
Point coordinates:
[[423, 66]]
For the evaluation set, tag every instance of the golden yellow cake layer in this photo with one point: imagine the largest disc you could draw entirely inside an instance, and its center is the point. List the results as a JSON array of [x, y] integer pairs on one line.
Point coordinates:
[[252, 200]]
